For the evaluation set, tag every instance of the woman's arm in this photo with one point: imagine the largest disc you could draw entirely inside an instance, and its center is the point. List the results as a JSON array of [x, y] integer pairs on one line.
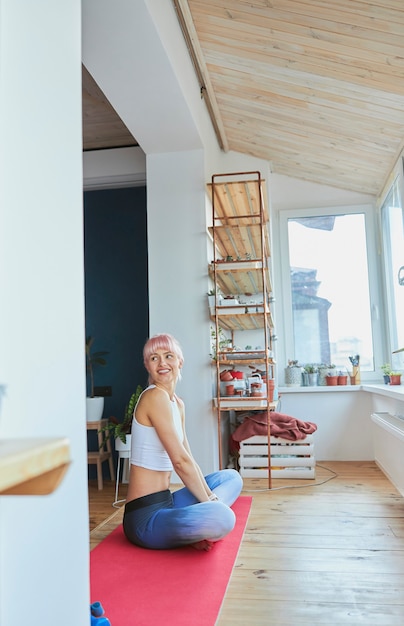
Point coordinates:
[[187, 447], [157, 406]]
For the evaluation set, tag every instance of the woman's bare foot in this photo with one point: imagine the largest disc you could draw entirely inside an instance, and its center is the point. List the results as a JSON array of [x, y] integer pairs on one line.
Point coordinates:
[[205, 544]]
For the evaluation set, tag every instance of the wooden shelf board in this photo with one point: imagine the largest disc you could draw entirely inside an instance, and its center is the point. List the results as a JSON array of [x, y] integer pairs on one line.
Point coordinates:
[[32, 466], [240, 241], [235, 403], [242, 281], [244, 362], [250, 321], [240, 198]]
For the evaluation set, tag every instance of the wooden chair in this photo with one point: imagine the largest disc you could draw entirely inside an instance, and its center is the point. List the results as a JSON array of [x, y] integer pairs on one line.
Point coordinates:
[[104, 452]]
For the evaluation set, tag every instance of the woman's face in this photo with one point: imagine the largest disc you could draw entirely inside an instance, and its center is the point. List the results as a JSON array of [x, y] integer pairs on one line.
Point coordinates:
[[164, 366]]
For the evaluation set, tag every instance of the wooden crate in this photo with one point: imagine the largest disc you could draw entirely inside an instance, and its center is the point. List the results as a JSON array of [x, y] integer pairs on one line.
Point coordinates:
[[289, 459]]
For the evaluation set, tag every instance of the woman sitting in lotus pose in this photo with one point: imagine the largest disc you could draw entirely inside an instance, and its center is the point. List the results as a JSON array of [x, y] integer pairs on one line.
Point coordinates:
[[198, 514]]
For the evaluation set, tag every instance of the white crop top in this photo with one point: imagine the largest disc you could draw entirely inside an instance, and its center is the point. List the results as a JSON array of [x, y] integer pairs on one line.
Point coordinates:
[[146, 448]]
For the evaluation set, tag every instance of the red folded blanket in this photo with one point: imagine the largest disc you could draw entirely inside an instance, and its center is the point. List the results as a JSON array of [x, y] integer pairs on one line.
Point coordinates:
[[281, 425]]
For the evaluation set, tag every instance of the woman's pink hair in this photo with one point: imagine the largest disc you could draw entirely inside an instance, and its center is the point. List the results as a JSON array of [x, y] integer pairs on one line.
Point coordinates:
[[161, 342]]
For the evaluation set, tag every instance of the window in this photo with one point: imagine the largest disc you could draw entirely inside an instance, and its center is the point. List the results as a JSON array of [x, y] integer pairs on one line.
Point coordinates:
[[393, 236], [327, 286]]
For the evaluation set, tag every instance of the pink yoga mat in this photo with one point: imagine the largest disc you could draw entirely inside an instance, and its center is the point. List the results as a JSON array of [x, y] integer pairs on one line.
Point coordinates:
[[139, 587]]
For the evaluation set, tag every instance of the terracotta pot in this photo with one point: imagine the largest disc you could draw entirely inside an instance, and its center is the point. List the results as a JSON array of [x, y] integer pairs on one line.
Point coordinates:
[[395, 379], [342, 380], [226, 375], [331, 381], [230, 390]]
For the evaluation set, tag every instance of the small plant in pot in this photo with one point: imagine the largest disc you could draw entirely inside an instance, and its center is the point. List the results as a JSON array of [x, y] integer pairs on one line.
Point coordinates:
[[324, 370], [395, 378], [293, 374], [212, 298], [224, 342], [342, 377], [386, 369], [94, 405], [331, 379], [120, 431], [310, 368], [312, 374]]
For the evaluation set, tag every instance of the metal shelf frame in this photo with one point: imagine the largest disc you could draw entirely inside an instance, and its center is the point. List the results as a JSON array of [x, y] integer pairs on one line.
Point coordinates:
[[241, 252]]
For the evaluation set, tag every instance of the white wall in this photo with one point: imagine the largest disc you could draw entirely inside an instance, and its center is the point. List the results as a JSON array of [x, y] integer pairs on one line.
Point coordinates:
[[342, 418], [44, 546], [119, 167]]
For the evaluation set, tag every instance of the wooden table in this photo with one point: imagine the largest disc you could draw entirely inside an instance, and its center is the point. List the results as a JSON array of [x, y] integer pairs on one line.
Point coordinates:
[[103, 453]]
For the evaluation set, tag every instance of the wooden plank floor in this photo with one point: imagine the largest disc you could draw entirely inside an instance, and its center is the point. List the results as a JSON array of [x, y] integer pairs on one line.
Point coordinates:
[[329, 554]]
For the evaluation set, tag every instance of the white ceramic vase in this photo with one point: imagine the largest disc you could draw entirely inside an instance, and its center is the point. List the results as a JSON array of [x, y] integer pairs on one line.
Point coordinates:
[[122, 447], [94, 409], [293, 376]]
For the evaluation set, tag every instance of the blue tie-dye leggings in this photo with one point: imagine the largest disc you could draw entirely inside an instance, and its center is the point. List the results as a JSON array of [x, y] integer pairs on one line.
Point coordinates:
[[166, 520]]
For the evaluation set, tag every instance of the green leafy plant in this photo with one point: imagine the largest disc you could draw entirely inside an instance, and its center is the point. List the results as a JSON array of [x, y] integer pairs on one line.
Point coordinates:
[[118, 430], [386, 369], [310, 368], [224, 342], [93, 359]]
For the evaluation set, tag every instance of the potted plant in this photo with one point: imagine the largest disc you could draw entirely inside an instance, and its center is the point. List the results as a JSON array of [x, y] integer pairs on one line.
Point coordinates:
[[342, 378], [212, 299], [386, 369], [120, 431], [356, 373], [94, 405], [224, 342], [331, 379], [293, 374], [325, 369], [395, 378], [312, 374]]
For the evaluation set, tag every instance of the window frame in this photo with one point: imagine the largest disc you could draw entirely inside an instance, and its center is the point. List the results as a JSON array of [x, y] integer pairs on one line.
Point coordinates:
[[285, 349], [397, 176]]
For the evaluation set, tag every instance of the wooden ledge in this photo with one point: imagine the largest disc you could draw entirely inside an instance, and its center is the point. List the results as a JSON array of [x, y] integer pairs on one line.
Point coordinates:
[[32, 466]]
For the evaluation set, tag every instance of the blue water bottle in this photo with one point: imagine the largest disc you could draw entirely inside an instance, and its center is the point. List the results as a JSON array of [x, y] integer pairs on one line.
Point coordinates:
[[97, 615]]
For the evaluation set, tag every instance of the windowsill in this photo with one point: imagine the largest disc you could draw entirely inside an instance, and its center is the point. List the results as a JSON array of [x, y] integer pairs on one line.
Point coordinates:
[[392, 391], [319, 389]]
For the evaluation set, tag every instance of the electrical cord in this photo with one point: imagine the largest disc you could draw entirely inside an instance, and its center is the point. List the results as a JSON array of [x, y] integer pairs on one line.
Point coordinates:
[[334, 475]]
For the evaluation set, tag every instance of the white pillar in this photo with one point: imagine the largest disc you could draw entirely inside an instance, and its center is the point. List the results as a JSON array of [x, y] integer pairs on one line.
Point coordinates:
[[44, 545], [178, 283]]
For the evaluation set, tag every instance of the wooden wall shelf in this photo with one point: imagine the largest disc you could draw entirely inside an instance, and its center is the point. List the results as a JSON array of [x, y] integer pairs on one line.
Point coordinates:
[[32, 466], [243, 321], [246, 277], [241, 241], [239, 199]]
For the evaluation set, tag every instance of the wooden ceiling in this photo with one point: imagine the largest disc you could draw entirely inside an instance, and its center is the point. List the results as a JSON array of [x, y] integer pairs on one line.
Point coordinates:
[[102, 127], [315, 87]]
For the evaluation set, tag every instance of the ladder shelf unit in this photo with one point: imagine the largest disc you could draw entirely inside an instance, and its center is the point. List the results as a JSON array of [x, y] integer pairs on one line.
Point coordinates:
[[240, 273]]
